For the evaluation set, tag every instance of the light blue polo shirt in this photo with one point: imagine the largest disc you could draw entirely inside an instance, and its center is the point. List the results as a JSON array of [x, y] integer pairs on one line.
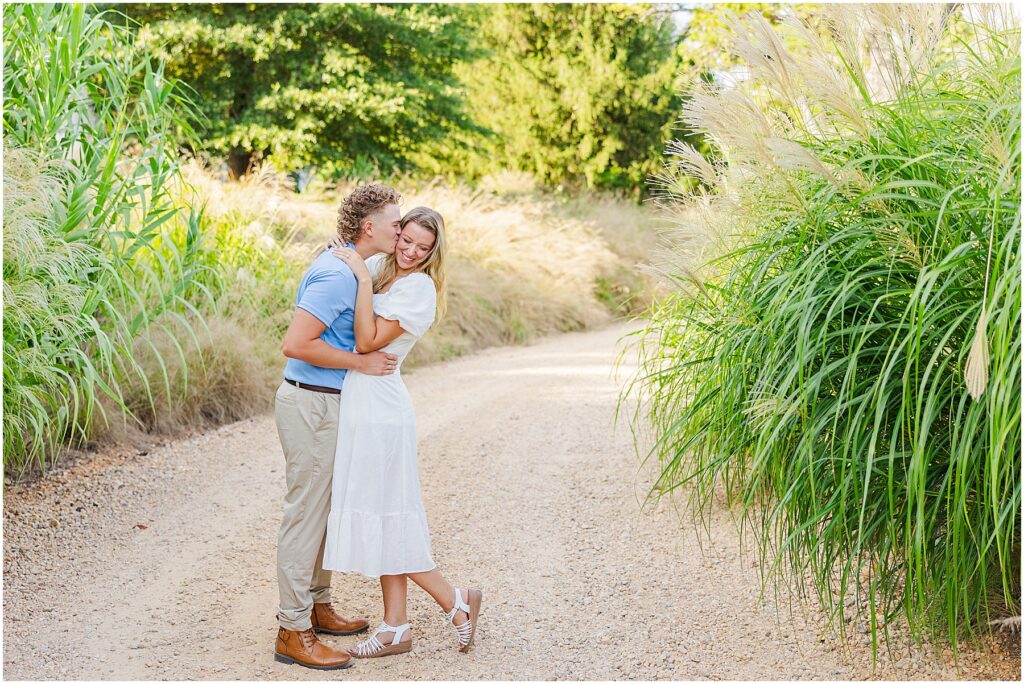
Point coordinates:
[[328, 291]]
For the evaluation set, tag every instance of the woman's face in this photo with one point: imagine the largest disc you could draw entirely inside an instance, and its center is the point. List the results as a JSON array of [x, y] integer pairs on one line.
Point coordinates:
[[414, 244]]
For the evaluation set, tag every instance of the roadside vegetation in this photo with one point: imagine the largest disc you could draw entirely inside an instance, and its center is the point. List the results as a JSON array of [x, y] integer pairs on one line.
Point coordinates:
[[840, 357], [146, 292]]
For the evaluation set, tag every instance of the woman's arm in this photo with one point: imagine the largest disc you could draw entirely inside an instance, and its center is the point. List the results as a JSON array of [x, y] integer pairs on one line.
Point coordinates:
[[372, 332], [385, 331], [302, 341]]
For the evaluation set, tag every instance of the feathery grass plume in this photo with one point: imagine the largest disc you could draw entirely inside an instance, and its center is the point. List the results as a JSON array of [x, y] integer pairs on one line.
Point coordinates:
[[731, 119], [976, 368], [692, 163], [762, 51], [848, 369], [830, 91], [793, 156]]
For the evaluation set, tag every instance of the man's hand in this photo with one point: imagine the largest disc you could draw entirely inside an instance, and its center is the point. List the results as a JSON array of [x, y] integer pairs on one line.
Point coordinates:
[[378, 363]]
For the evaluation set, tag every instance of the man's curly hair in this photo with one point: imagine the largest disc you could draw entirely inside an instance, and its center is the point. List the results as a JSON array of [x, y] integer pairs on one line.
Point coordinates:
[[360, 203]]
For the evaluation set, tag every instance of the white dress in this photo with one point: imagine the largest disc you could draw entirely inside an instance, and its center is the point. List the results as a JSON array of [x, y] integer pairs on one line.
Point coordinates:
[[377, 524]]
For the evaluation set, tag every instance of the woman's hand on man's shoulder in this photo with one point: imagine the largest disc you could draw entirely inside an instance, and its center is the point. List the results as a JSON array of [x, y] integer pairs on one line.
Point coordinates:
[[355, 262]]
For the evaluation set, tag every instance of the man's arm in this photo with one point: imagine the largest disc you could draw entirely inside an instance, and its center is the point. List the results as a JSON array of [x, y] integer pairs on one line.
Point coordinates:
[[302, 342]]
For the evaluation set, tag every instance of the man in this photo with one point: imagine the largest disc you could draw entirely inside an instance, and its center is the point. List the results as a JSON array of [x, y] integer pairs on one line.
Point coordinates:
[[319, 346]]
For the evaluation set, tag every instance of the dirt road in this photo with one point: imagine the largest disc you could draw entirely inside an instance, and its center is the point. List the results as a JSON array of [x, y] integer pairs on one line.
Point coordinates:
[[161, 565]]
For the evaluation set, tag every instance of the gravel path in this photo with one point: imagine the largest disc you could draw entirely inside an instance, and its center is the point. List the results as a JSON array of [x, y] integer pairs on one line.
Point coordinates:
[[161, 565]]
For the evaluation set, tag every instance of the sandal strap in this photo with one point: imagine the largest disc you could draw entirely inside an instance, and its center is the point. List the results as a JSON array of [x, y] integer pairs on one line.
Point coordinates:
[[459, 605], [373, 644], [465, 630], [369, 646], [399, 630]]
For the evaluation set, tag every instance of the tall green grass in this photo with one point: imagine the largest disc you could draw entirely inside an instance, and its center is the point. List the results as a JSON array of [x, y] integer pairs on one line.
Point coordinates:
[[132, 300], [89, 164], [841, 357]]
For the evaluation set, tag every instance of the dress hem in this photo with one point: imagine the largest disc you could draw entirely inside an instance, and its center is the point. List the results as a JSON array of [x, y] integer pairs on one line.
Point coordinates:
[[355, 571]]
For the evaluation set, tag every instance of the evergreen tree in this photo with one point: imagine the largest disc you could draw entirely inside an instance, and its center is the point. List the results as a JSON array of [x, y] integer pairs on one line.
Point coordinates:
[[575, 91]]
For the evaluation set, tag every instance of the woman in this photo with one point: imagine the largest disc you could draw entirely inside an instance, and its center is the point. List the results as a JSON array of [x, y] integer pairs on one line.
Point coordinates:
[[377, 525]]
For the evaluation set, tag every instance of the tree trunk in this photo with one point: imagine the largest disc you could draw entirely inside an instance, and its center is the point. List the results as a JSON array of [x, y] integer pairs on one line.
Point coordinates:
[[239, 162]]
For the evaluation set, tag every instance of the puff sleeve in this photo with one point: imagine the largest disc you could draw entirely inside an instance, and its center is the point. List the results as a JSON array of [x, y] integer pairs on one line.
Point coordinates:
[[412, 301], [373, 263]]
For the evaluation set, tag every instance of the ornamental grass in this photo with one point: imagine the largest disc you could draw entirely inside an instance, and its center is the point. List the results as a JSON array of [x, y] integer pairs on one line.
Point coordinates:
[[840, 357]]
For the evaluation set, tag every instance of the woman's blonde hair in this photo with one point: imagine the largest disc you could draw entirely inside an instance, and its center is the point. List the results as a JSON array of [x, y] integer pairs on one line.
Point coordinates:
[[432, 265]]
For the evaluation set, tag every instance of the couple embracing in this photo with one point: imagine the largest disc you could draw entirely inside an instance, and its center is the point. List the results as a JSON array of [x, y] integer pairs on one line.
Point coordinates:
[[347, 428]]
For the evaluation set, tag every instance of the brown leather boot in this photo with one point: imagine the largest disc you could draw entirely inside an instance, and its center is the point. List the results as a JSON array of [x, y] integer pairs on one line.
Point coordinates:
[[325, 620], [303, 648]]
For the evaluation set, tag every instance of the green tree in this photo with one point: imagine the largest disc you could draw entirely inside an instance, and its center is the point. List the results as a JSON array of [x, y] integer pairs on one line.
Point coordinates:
[[705, 47], [345, 87], [574, 91]]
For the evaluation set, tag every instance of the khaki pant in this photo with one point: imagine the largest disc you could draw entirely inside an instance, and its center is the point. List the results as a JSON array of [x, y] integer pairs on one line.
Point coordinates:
[[307, 424]]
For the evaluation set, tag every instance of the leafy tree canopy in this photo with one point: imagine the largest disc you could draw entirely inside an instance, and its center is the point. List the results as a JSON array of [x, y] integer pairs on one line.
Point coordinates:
[[340, 86]]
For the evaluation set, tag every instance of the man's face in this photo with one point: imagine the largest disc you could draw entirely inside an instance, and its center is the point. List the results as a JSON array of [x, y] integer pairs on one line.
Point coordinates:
[[385, 228]]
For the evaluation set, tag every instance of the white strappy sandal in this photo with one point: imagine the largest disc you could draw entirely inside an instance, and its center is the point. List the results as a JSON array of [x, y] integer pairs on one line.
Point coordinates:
[[467, 630], [375, 648]]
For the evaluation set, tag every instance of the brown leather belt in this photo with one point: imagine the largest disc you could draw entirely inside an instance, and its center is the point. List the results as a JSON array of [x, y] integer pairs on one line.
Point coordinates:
[[313, 388]]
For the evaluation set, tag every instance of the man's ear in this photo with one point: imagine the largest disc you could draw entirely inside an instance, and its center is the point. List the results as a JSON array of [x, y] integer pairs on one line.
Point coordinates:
[[367, 228]]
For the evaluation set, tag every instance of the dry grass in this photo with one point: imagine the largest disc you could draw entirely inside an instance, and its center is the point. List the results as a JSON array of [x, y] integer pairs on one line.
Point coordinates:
[[216, 373], [522, 263]]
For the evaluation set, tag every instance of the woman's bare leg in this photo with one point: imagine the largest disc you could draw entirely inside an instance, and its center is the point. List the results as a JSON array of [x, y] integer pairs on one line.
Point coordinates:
[[441, 590], [396, 597]]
